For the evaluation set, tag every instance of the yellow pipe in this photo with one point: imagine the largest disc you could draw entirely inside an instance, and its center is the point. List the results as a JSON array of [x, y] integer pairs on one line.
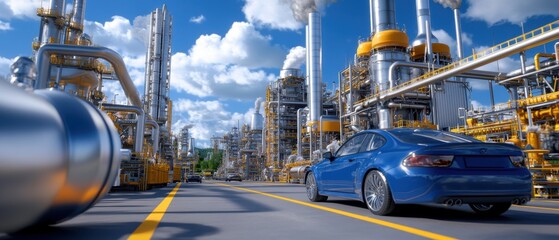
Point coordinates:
[[537, 59]]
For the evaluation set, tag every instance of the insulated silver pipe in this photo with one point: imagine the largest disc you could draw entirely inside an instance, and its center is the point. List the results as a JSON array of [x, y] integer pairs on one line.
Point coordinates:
[[315, 83], [299, 132], [385, 18], [371, 17], [140, 122], [529, 43], [525, 83], [458, 27], [478, 74], [43, 62], [155, 135]]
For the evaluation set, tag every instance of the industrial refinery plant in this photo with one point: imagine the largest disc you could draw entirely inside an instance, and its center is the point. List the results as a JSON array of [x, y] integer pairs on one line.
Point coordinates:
[[395, 82], [91, 145]]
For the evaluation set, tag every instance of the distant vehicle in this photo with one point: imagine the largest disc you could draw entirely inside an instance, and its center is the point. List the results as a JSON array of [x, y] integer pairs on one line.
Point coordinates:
[[194, 178], [385, 168], [233, 177]]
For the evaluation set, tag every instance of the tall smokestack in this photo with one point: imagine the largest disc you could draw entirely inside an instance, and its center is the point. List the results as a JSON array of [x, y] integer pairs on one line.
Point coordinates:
[[50, 29], [384, 18], [371, 16], [77, 20], [158, 65], [257, 121], [423, 23], [315, 82], [455, 6]]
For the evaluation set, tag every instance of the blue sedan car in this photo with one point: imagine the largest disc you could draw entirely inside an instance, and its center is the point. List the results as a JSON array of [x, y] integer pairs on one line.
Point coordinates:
[[385, 168]]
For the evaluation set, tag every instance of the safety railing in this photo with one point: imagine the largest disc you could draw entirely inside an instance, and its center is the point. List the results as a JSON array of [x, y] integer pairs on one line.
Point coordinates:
[[474, 57]]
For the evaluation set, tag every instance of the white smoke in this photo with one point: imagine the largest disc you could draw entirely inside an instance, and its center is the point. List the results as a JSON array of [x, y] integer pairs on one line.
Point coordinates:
[[295, 58], [302, 8], [454, 4], [257, 105]]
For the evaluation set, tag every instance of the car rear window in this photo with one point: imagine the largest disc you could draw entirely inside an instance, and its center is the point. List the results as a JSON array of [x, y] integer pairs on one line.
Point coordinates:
[[430, 137]]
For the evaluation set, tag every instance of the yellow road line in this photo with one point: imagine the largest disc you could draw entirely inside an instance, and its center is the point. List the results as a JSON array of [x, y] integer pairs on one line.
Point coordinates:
[[396, 226], [541, 200], [534, 207], [147, 228]]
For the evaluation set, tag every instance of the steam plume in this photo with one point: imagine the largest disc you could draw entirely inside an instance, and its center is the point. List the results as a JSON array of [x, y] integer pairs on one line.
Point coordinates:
[[454, 4], [257, 105], [295, 58], [302, 8]]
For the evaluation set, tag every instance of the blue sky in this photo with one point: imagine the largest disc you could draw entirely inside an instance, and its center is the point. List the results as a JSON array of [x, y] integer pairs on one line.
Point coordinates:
[[226, 51]]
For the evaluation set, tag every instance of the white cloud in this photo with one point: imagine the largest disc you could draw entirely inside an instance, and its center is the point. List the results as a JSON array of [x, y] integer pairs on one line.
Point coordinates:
[[516, 12], [5, 66], [226, 81], [479, 106], [274, 14], [215, 65], [127, 38], [209, 119], [449, 40], [20, 9], [121, 35], [198, 19], [242, 45], [4, 26]]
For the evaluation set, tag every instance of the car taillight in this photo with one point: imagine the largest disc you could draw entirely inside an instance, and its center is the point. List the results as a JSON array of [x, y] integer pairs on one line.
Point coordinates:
[[414, 160], [518, 161]]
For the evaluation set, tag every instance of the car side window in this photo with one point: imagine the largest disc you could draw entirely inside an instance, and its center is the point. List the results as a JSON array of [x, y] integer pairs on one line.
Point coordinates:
[[376, 142], [351, 146]]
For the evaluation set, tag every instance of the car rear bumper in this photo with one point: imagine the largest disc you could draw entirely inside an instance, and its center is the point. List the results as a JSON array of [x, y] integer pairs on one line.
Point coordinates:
[[475, 186]]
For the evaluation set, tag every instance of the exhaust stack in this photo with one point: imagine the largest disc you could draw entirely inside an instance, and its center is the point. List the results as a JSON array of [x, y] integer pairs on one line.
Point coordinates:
[[423, 23], [315, 57]]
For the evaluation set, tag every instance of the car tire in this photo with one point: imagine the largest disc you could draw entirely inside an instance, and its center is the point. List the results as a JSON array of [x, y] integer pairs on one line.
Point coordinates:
[[490, 209], [377, 195], [312, 189]]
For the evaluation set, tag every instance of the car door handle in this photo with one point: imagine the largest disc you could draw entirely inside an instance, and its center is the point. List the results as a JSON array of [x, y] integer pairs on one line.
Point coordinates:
[[351, 160]]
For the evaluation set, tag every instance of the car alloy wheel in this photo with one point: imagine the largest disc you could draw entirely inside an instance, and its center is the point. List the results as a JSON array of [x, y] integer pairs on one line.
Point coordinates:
[[312, 189], [377, 194]]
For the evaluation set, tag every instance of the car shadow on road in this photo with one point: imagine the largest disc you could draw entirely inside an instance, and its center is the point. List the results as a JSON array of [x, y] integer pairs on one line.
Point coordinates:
[[111, 231], [463, 213]]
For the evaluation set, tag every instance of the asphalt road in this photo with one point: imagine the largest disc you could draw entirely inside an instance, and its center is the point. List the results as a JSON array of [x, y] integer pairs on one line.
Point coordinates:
[[252, 210]]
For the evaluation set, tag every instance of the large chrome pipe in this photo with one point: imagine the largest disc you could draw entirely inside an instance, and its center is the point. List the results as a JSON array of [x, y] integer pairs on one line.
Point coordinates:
[[43, 61], [423, 23], [385, 18], [140, 122], [60, 155], [477, 74], [529, 43], [315, 83]]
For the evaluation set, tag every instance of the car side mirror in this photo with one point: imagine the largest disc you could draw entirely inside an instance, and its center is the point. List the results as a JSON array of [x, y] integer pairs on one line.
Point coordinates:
[[328, 155]]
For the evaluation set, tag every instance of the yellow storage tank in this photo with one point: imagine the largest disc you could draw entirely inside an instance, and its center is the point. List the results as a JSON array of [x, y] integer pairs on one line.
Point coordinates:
[[389, 38], [418, 52], [364, 49]]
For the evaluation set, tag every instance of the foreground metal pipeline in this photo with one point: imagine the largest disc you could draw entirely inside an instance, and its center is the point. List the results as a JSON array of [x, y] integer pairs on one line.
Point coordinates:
[[59, 156]]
